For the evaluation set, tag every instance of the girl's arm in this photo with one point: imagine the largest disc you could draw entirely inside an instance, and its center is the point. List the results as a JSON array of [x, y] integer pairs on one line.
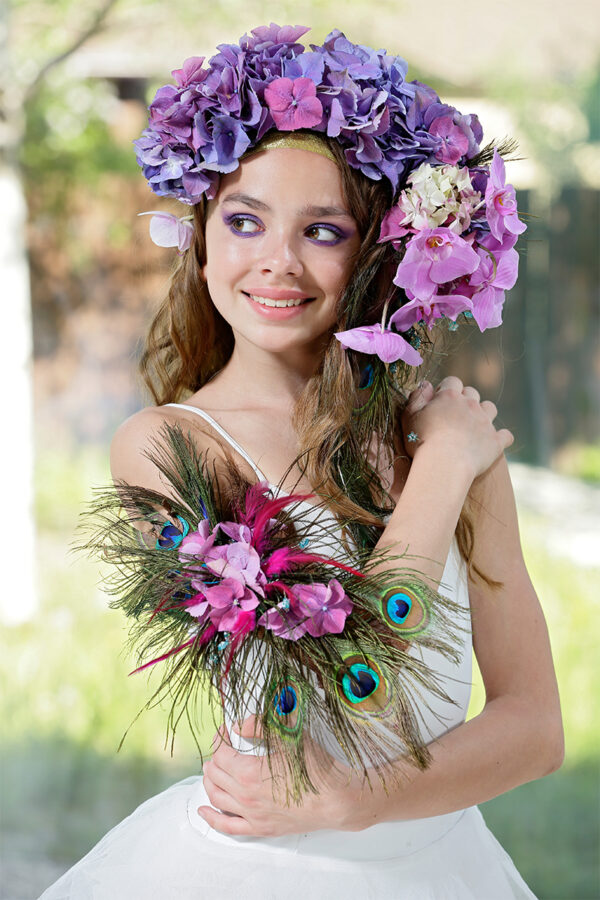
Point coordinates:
[[516, 738]]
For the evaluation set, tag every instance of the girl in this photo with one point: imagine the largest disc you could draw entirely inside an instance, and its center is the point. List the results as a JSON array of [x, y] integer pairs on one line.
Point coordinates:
[[275, 313]]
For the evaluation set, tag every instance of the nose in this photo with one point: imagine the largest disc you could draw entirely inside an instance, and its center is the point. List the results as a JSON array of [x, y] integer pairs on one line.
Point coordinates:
[[280, 256]]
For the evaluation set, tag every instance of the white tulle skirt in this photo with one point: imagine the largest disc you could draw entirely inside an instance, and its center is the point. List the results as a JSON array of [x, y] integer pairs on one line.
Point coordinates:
[[165, 850]]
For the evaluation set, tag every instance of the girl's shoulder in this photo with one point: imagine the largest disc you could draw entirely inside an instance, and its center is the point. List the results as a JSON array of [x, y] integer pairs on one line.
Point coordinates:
[[135, 438]]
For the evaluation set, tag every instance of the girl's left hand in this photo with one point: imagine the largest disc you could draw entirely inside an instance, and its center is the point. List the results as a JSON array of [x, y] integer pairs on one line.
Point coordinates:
[[240, 785]]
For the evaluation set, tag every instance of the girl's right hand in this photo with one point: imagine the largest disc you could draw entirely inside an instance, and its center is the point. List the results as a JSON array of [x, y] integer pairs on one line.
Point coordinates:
[[453, 420]]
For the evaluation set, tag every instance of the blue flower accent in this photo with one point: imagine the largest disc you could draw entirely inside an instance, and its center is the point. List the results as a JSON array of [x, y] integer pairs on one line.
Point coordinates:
[[412, 437]]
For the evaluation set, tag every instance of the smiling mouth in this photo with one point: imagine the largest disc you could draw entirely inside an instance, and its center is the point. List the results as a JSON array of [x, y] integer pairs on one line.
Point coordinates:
[[280, 304]]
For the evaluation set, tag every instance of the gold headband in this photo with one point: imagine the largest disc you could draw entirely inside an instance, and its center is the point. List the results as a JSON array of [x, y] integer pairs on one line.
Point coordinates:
[[298, 140]]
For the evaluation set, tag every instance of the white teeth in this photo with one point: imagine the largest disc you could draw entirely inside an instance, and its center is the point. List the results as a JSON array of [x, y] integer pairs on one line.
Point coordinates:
[[264, 301]]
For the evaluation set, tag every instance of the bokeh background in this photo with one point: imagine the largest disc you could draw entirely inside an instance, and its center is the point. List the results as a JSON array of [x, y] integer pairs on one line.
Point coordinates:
[[79, 281]]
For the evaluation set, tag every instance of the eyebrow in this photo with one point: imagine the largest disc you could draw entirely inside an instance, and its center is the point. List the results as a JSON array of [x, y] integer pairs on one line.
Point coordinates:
[[308, 210]]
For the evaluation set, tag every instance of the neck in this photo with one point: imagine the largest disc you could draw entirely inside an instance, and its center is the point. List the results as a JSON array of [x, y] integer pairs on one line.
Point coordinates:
[[264, 379]]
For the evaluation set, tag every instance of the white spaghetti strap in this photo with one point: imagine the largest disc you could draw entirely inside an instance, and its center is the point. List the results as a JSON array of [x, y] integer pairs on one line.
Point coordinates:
[[223, 433]]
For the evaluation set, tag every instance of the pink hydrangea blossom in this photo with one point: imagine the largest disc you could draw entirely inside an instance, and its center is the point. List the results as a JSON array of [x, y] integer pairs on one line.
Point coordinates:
[[434, 257], [284, 622], [293, 103], [227, 601], [239, 561], [325, 606]]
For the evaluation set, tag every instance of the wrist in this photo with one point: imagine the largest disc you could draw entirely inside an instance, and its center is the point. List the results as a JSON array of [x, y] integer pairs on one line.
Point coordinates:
[[438, 454]]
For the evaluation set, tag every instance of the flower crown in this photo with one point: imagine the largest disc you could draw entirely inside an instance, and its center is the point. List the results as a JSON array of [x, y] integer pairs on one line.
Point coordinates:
[[455, 221]]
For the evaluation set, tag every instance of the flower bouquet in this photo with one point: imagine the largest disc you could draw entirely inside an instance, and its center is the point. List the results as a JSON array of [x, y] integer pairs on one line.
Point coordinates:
[[225, 598]]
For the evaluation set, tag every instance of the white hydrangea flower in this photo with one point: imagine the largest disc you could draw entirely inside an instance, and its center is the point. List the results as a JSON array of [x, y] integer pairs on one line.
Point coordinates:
[[439, 196]]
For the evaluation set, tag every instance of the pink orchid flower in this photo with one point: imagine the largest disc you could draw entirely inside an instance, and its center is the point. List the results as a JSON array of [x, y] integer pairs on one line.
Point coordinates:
[[495, 275], [293, 104], [435, 307], [433, 257], [392, 226], [166, 230], [500, 202], [386, 344]]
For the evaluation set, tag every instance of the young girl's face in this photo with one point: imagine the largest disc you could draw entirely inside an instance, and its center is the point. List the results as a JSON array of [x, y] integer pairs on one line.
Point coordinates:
[[279, 230]]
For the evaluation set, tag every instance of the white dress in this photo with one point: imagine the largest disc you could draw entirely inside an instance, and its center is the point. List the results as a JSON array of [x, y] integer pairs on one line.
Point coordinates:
[[165, 850]]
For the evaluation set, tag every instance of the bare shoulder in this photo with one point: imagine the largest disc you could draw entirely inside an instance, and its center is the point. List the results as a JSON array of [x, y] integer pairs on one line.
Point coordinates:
[[134, 439]]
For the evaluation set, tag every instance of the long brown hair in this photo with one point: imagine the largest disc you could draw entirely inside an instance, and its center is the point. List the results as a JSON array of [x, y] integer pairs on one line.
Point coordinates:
[[188, 342]]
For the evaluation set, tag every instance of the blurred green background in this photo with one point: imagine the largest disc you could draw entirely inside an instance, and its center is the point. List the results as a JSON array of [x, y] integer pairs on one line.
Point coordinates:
[[73, 99]]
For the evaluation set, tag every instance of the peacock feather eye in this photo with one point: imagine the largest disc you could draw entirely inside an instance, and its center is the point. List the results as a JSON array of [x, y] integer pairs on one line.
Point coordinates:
[[366, 377], [285, 709], [406, 609], [171, 535], [362, 686]]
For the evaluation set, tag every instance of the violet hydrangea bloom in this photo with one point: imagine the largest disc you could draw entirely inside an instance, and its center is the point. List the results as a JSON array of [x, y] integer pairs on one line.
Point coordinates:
[[202, 125], [284, 621], [386, 344]]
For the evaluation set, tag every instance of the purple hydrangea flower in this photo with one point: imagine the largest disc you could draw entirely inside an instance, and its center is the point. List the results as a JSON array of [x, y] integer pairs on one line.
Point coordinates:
[[202, 125]]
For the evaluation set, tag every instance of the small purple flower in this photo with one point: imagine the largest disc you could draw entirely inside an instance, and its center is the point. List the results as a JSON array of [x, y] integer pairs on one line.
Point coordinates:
[[500, 202], [433, 257], [387, 345], [229, 142], [326, 606], [293, 104]]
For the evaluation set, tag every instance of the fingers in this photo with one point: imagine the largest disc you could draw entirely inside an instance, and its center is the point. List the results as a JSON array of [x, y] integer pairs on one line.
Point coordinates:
[[472, 393], [222, 822], [506, 437], [490, 409], [450, 383], [420, 397], [250, 728]]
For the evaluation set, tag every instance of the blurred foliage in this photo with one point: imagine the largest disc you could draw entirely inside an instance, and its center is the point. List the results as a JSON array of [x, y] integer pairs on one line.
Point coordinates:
[[70, 701], [579, 461], [68, 139], [559, 119]]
